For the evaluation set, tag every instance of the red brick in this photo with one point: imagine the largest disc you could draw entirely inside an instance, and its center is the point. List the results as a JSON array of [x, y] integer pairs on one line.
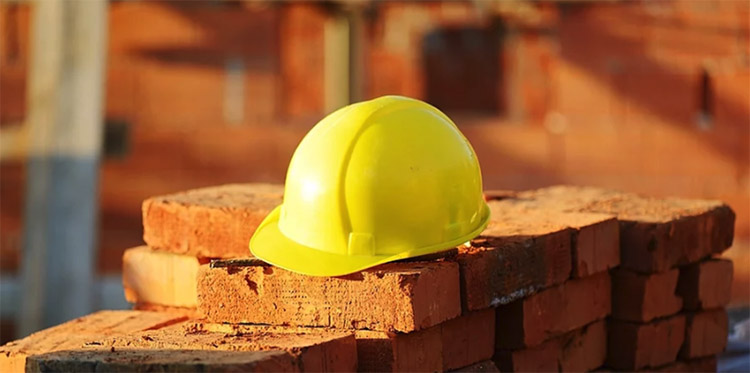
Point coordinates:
[[706, 284], [655, 234], [77, 333], [634, 346], [484, 366], [314, 349], [500, 269], [595, 245], [468, 339], [705, 334], [643, 297], [215, 222], [455, 343], [399, 352], [163, 361], [157, 277], [584, 349], [658, 234], [394, 297], [552, 312], [703, 365]]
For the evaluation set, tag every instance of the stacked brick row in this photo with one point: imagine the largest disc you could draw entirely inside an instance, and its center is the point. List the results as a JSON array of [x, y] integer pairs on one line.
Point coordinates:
[[561, 325], [669, 293], [536, 282], [542, 289]]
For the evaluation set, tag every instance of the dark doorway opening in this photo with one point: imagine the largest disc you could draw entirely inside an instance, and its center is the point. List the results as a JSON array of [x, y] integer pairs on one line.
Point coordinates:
[[463, 67]]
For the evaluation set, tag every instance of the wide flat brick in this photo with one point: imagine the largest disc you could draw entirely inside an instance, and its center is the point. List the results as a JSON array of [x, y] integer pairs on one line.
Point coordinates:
[[655, 234], [215, 222], [633, 346], [314, 349], [706, 284], [484, 366], [77, 333], [703, 365], [705, 334], [595, 245], [157, 277], [163, 361], [643, 297], [553, 312], [498, 270], [400, 297], [455, 343], [584, 349]]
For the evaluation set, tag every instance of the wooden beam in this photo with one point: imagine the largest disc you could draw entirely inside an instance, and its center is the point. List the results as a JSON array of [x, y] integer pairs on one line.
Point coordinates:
[[65, 105]]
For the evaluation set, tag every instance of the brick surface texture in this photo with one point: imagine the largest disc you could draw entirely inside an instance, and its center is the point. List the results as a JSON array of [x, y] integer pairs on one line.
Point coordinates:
[[468, 339], [706, 334], [215, 222], [655, 234], [643, 297], [314, 349], [453, 344], [706, 284], [633, 346], [584, 349], [163, 361], [399, 352], [394, 297], [499, 270], [552, 312], [80, 332], [595, 243]]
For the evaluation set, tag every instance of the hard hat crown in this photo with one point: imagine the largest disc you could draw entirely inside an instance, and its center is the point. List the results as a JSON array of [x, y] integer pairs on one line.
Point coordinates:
[[377, 181]]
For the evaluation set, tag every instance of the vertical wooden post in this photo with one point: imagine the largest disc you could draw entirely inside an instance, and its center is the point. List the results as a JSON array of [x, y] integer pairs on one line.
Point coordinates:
[[336, 61], [65, 98], [357, 42]]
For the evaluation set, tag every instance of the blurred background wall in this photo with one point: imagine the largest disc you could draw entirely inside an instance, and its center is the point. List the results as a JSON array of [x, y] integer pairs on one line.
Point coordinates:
[[650, 97]]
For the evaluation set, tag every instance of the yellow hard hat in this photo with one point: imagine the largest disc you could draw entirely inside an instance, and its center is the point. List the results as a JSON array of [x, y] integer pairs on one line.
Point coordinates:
[[377, 181]]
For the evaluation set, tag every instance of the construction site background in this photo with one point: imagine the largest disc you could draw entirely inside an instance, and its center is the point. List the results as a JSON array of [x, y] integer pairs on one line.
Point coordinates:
[[649, 97]]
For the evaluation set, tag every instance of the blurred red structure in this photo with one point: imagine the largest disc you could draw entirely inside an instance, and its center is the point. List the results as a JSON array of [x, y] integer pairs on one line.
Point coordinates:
[[651, 97]]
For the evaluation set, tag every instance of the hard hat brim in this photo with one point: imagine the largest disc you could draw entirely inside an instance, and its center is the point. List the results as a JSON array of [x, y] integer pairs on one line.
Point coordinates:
[[272, 246]]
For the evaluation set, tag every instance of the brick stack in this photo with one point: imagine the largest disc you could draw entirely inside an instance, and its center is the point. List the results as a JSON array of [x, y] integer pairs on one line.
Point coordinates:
[[558, 324], [185, 230], [531, 293], [557, 273], [669, 293]]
